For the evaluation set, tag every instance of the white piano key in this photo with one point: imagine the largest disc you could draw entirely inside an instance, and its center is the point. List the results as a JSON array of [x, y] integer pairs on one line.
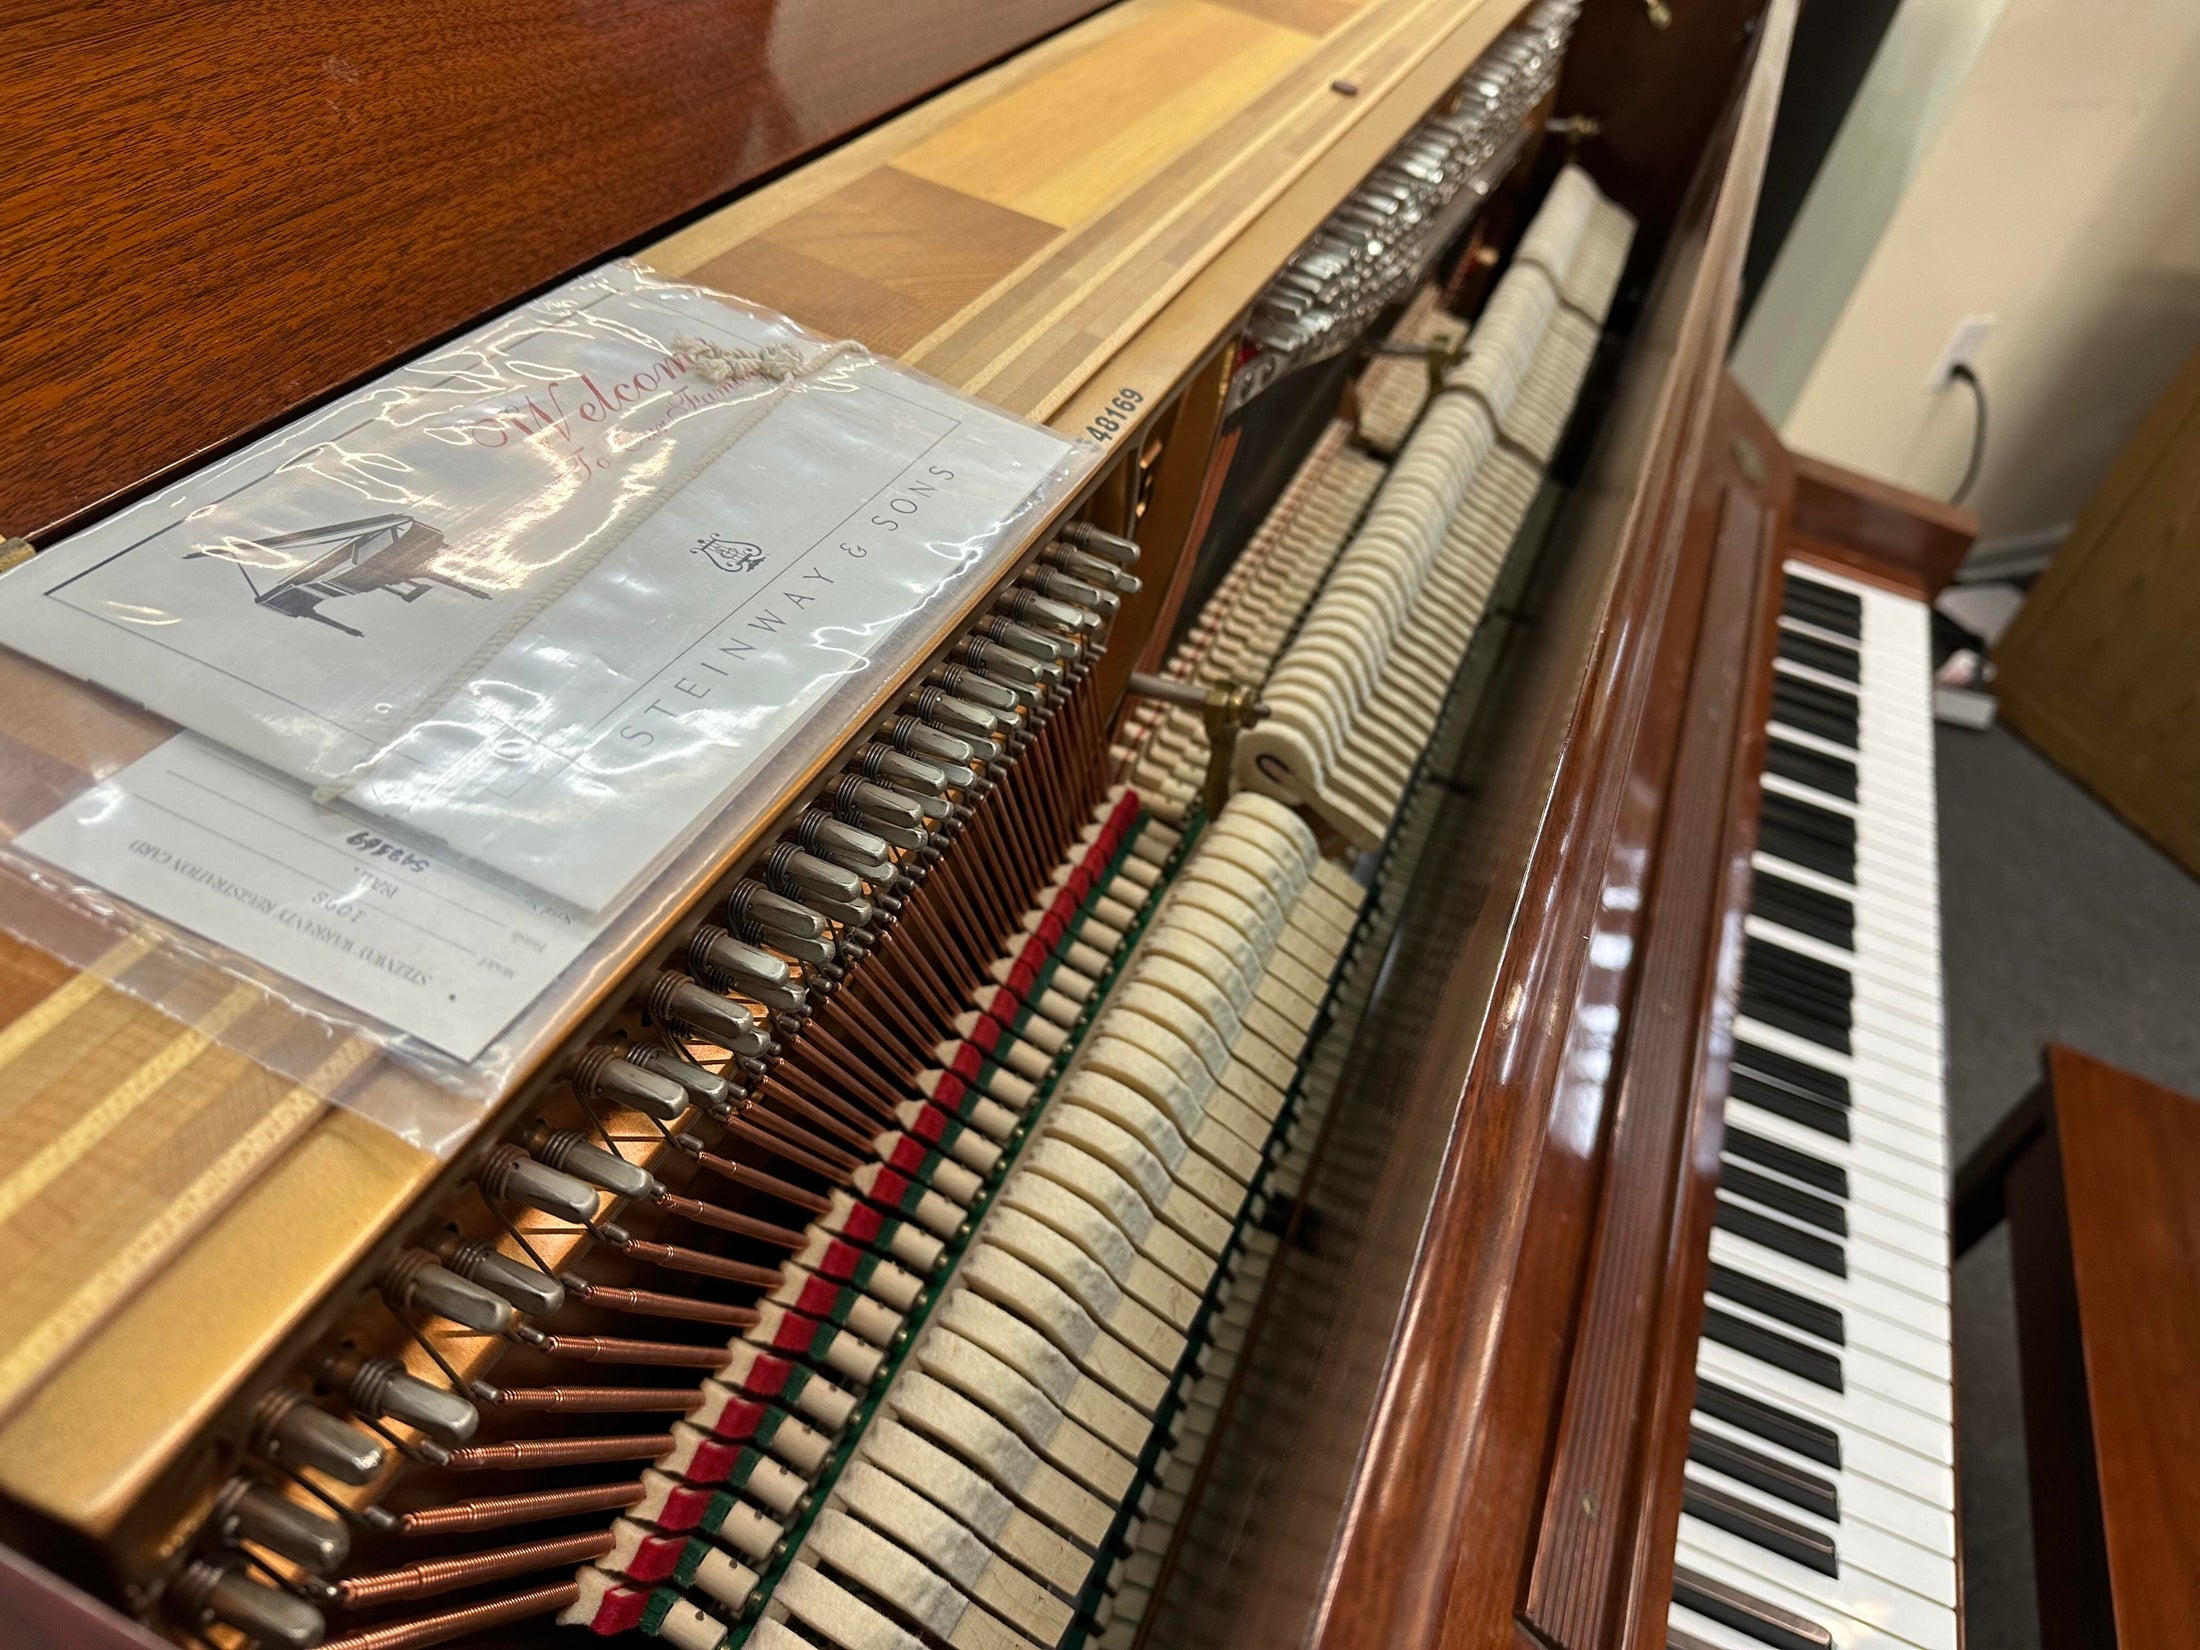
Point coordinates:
[[1849, 1632], [1893, 1323], [1861, 1154], [1862, 1499], [1866, 1070], [1856, 1545], [1865, 1414], [1869, 1599], [1863, 1367]]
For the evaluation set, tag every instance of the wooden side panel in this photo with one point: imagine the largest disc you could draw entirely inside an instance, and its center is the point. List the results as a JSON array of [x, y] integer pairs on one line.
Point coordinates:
[[213, 215], [1604, 1548], [2098, 669], [1882, 530], [2130, 1186]]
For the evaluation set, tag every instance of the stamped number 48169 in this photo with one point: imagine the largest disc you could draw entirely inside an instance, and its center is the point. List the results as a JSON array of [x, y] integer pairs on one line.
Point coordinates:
[[1108, 422]]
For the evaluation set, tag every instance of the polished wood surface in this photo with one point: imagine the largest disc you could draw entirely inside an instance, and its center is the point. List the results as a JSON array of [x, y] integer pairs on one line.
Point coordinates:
[[2097, 669], [1387, 1481], [1602, 1568], [2099, 1175], [213, 216], [1658, 92], [1879, 529], [1228, 168]]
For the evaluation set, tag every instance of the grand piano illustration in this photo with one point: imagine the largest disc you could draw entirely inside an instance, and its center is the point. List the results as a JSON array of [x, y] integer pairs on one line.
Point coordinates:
[[318, 565]]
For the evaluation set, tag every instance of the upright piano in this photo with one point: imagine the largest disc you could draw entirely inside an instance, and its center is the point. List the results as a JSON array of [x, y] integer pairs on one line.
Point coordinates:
[[1351, 1058]]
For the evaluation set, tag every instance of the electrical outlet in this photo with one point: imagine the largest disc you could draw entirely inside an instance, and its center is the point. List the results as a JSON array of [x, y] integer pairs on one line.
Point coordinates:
[[1963, 347]]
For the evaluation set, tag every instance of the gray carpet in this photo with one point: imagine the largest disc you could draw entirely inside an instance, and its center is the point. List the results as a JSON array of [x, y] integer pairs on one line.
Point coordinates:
[[2059, 924]]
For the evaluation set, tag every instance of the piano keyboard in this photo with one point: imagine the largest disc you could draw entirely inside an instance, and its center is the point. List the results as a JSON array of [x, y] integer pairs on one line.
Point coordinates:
[[1818, 1508]]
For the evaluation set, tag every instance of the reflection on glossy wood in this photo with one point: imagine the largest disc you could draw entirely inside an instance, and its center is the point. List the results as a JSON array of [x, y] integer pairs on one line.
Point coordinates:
[[1438, 1305], [216, 214], [1878, 528]]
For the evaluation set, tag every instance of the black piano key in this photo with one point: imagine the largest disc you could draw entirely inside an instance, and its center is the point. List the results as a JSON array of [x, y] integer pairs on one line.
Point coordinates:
[[1765, 1472], [1826, 609], [1745, 1613], [1832, 1121], [1824, 605], [1769, 1346], [1793, 708], [1773, 977], [1797, 1434], [1804, 990], [1760, 1526], [1797, 970], [1797, 831], [1773, 1233], [1785, 1159], [1811, 911], [1800, 1022], [1789, 1072], [1814, 820], [1792, 1201], [1834, 775], [1782, 842], [1806, 993], [1833, 701], [1816, 653]]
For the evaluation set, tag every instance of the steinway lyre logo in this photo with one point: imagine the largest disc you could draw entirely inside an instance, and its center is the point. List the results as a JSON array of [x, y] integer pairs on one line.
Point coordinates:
[[297, 574], [729, 555]]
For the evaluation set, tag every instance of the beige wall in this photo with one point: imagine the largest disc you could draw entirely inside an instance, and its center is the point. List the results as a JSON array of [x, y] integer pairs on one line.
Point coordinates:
[[1905, 99], [2062, 195]]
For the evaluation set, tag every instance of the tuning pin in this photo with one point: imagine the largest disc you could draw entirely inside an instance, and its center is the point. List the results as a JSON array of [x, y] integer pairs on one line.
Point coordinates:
[[705, 1087], [531, 1291], [677, 1000], [1023, 639], [958, 759], [567, 1151], [833, 889], [1026, 604], [1076, 592], [1092, 570], [1113, 546], [1000, 663], [955, 715], [380, 1387], [891, 814], [292, 1431], [208, 1593], [604, 1073], [418, 1282], [889, 766], [511, 1173], [249, 1511], [982, 691], [863, 852], [735, 965], [764, 918]]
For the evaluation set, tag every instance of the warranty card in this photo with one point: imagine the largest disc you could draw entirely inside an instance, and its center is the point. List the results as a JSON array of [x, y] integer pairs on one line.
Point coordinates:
[[552, 598]]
